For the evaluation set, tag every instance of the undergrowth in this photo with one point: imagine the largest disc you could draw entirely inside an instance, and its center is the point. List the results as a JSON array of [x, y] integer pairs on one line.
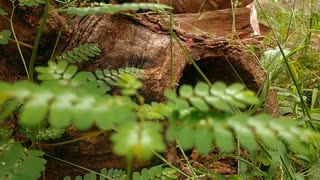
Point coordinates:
[[64, 97]]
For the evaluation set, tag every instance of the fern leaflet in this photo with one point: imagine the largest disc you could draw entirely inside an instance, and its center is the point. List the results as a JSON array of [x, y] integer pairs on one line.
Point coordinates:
[[63, 106], [49, 133], [15, 161], [99, 82], [113, 9], [79, 54], [153, 173], [197, 115]]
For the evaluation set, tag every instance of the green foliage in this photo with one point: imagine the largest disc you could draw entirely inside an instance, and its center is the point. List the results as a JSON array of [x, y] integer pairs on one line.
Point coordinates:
[[113, 9], [153, 173], [116, 174], [3, 12], [81, 53], [5, 132], [192, 120], [17, 162], [63, 73], [154, 111], [138, 140], [218, 96], [49, 133], [31, 3], [156, 173], [63, 107], [67, 97], [4, 36]]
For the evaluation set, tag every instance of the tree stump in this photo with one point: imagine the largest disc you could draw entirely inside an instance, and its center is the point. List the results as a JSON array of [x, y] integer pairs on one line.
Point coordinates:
[[141, 41]]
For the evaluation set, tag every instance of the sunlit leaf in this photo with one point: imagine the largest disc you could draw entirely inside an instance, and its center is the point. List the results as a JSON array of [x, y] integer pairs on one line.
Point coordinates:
[[186, 91], [137, 140]]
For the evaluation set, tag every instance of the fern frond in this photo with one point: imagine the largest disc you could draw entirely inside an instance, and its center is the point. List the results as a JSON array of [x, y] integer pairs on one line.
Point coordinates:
[[114, 8], [49, 133], [116, 174], [218, 96], [81, 53], [113, 77], [250, 130], [194, 118], [99, 82], [63, 106], [153, 173], [17, 160]]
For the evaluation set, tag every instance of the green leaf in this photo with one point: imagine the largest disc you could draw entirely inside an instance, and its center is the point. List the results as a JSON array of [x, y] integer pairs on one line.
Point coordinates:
[[218, 103], [184, 137], [135, 140], [202, 89], [70, 72], [245, 135], [172, 133], [224, 139], [101, 114], [49, 133], [182, 104], [61, 67], [82, 113], [266, 134], [203, 140], [2, 12], [61, 113], [199, 103], [170, 95], [9, 107], [4, 36], [247, 97], [34, 111], [218, 89], [17, 162], [186, 91]]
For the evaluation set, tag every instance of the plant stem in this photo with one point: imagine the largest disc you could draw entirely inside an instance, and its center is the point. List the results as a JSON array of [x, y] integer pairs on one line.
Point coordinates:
[[171, 50], [58, 38], [169, 164], [81, 167], [21, 43], [16, 40], [37, 40], [187, 160], [74, 140], [185, 51], [129, 166]]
